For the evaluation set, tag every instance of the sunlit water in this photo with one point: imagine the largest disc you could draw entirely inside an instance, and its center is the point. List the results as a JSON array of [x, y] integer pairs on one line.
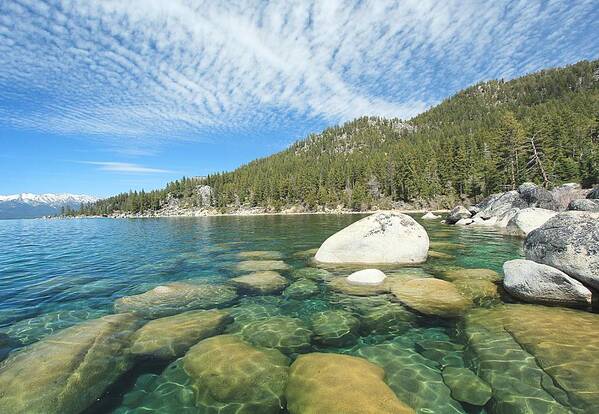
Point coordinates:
[[55, 274]]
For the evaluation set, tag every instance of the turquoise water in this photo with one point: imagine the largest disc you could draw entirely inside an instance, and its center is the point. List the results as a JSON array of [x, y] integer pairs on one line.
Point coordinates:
[[55, 274]]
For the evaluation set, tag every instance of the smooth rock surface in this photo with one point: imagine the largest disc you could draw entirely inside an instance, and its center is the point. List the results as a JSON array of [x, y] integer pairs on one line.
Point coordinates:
[[333, 383], [538, 283], [172, 336], [584, 204], [260, 255], [261, 265], [456, 214], [262, 283], [335, 328], [432, 296], [366, 277], [66, 372], [175, 298], [458, 273], [229, 375], [465, 386], [430, 216], [528, 219], [570, 243], [384, 237], [288, 335]]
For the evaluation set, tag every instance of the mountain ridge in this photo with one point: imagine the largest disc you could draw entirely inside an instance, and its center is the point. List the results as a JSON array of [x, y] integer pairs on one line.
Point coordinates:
[[30, 205]]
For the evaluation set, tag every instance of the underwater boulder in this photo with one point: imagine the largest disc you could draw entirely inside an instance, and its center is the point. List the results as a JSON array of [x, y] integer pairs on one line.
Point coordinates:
[[466, 386], [260, 255], [229, 375], [335, 328], [332, 383], [301, 289], [261, 265], [172, 336], [458, 273], [288, 335], [433, 297], [312, 273], [175, 298], [381, 238], [67, 372], [261, 283]]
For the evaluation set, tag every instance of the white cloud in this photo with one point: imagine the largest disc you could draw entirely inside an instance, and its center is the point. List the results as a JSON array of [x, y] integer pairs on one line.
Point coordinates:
[[178, 68], [124, 167]]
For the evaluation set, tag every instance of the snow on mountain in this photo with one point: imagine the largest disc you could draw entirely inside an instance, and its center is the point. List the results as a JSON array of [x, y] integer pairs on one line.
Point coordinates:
[[28, 205]]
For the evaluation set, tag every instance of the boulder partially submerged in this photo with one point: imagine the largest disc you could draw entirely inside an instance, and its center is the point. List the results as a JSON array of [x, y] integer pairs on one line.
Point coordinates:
[[67, 372], [528, 219], [539, 283], [262, 283], [456, 214], [366, 277], [430, 216], [384, 237], [569, 242], [333, 383]]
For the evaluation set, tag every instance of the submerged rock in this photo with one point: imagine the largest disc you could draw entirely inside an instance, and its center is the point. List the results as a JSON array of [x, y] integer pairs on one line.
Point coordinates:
[[439, 255], [384, 237], [302, 289], [261, 265], [386, 318], [260, 255], [539, 283], [7, 344], [458, 273], [172, 336], [289, 335], [228, 375], [366, 277], [536, 358], [333, 383], [262, 283], [478, 291], [312, 273], [458, 213], [341, 284], [66, 372], [175, 298], [306, 254], [528, 219], [432, 297], [465, 386], [335, 328], [414, 379], [570, 243]]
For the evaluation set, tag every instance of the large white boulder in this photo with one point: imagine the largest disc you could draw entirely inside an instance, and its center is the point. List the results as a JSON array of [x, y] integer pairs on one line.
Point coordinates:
[[384, 237], [528, 219], [570, 243], [539, 283], [366, 277]]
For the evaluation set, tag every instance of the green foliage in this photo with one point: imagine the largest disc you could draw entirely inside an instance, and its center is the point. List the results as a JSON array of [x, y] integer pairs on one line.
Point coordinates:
[[543, 127]]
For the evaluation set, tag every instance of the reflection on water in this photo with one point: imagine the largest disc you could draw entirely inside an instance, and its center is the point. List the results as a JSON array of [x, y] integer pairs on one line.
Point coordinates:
[[189, 338]]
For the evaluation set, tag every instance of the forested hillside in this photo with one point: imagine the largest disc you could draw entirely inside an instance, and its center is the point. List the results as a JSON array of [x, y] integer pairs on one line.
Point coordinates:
[[490, 137]]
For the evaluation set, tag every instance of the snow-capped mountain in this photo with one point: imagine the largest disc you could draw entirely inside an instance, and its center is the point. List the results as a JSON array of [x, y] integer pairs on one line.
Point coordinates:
[[27, 205]]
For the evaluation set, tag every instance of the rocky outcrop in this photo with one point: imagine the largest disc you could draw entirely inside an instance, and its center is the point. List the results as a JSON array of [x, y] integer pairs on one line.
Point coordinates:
[[433, 297], [228, 375], [569, 242], [456, 214], [66, 372], [539, 283], [366, 277], [584, 204], [172, 336], [528, 219], [498, 204], [333, 383], [536, 196], [261, 283], [384, 237], [175, 298]]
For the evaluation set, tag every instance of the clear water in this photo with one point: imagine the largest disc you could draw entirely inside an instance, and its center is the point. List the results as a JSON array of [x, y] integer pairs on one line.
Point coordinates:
[[55, 274]]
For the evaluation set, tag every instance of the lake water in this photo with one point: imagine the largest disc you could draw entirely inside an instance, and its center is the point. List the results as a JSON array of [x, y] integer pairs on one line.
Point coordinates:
[[56, 274]]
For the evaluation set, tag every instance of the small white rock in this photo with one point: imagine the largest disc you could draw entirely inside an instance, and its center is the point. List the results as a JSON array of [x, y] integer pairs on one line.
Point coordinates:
[[366, 277], [430, 216]]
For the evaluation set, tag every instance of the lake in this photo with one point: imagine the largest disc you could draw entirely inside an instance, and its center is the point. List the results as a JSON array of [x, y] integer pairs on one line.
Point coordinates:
[[66, 274]]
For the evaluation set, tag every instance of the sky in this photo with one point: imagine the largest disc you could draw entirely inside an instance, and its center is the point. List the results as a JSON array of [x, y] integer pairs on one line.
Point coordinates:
[[99, 97]]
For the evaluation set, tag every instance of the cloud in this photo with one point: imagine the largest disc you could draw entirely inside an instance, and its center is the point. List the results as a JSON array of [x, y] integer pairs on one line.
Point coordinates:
[[124, 167], [210, 69]]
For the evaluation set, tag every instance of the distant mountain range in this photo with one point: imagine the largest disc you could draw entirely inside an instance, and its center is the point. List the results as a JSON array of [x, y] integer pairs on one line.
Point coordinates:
[[27, 205]]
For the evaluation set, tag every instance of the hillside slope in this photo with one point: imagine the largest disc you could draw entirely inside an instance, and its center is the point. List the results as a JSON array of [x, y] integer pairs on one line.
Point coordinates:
[[542, 127]]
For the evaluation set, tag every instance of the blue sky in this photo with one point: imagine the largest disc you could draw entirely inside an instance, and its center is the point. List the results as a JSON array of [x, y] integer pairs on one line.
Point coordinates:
[[99, 97]]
